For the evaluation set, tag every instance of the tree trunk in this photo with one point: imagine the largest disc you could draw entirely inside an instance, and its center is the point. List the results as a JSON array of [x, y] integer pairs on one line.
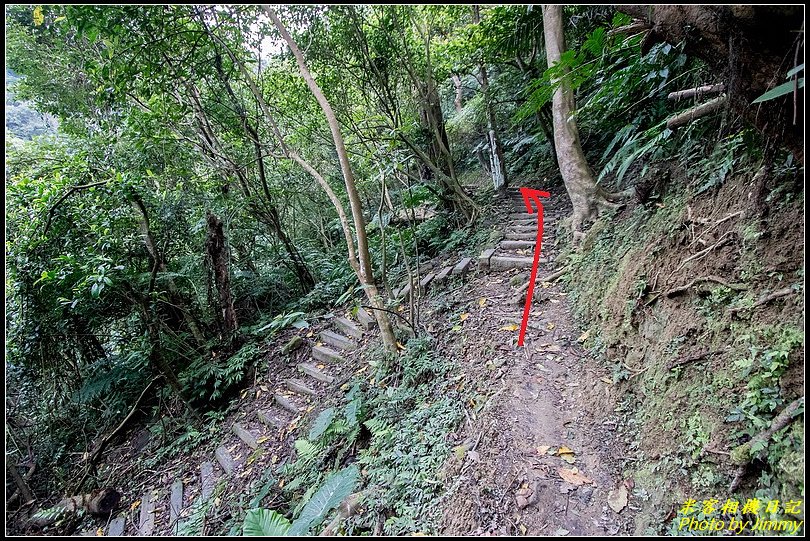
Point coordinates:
[[217, 251], [458, 101], [751, 48], [160, 266], [364, 269], [587, 197], [497, 167]]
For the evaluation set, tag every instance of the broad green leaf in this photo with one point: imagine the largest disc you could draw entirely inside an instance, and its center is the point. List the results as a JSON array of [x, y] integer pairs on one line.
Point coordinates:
[[795, 70], [321, 423], [337, 488], [265, 522], [781, 90]]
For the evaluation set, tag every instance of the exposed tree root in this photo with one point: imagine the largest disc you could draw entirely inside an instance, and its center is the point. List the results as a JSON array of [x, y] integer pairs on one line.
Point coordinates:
[[683, 289], [764, 300], [745, 453]]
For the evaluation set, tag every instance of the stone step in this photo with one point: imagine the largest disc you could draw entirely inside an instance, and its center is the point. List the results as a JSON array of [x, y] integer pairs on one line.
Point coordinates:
[[483, 259], [442, 275], [348, 327], [147, 519], [425, 281], [503, 262], [338, 340], [532, 227], [326, 355], [117, 526], [270, 420], [207, 480], [365, 319], [516, 244], [244, 434], [225, 459], [298, 386], [462, 266], [175, 503], [285, 403], [532, 236], [312, 371]]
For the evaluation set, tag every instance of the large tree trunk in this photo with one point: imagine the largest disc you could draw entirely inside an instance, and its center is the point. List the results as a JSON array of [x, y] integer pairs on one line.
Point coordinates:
[[751, 48], [364, 269], [587, 197], [217, 251]]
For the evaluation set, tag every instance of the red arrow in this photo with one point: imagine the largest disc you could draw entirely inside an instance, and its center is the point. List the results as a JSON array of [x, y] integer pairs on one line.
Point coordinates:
[[530, 195]]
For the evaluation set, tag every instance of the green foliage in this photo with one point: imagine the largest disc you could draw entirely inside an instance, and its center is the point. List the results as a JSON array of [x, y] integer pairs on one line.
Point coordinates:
[[213, 378], [334, 490]]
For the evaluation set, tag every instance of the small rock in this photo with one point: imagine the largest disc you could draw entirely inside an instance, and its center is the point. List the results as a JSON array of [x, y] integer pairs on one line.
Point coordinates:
[[617, 499], [294, 343]]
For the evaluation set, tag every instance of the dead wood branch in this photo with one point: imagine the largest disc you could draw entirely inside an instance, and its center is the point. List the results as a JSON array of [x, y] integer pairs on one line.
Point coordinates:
[[764, 300], [100, 503], [694, 358], [683, 289], [704, 109], [697, 92], [96, 455], [349, 507]]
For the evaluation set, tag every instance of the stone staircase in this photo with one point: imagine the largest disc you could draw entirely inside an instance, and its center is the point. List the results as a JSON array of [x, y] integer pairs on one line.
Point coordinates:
[[433, 277], [515, 250], [293, 397]]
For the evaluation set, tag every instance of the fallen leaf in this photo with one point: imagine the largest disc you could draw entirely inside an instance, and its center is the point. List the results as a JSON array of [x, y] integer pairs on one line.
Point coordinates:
[[273, 459], [464, 316], [550, 325], [546, 285], [482, 302], [474, 456], [262, 439], [321, 366], [511, 327], [400, 346], [310, 334], [584, 336], [258, 393], [100, 532], [318, 344], [243, 394], [264, 388], [606, 379], [617, 499], [565, 450], [543, 449], [281, 484], [523, 529], [134, 505], [568, 457], [456, 328], [573, 476]]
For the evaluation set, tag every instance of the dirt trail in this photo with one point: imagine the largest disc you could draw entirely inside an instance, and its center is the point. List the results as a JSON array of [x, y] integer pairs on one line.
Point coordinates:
[[541, 399]]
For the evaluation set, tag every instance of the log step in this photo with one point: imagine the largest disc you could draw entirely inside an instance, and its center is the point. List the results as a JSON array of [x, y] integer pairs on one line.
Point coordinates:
[[365, 319], [147, 520], [285, 403], [312, 371], [502, 263], [425, 281], [326, 355], [349, 328], [298, 386], [243, 434], [225, 459], [483, 259], [462, 266], [338, 340], [270, 420]]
